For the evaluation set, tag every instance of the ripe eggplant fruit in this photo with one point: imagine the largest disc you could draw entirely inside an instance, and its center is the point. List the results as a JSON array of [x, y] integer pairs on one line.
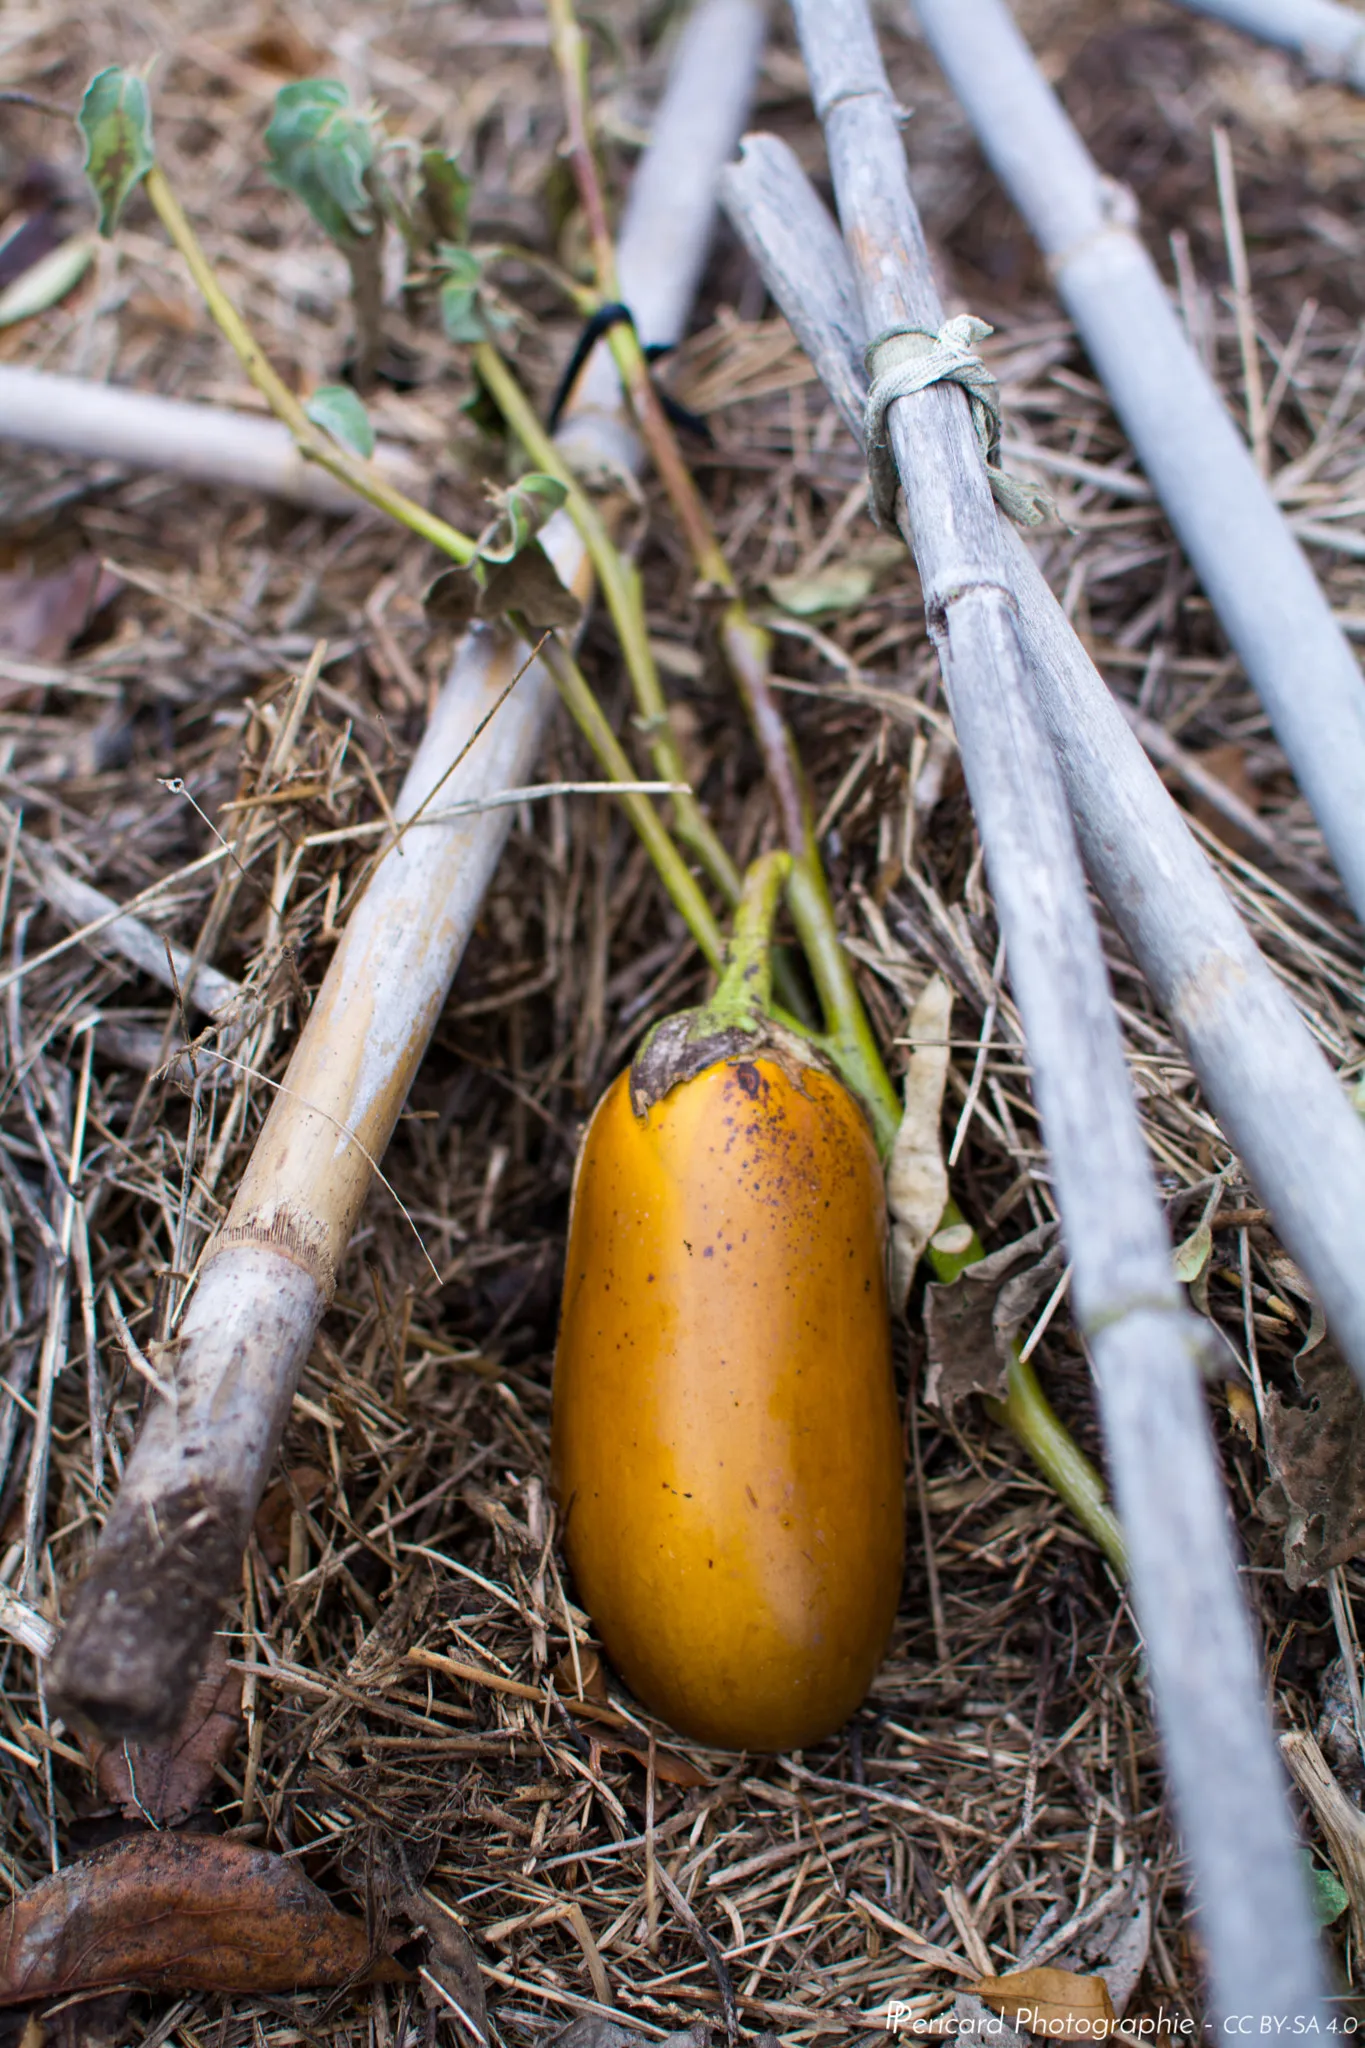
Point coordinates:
[[726, 1443]]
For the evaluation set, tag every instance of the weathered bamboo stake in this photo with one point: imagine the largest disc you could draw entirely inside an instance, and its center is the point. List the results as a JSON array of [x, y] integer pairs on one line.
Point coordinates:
[[1330, 39], [1228, 1786], [1253, 571], [171, 1550], [208, 443], [1265, 1077]]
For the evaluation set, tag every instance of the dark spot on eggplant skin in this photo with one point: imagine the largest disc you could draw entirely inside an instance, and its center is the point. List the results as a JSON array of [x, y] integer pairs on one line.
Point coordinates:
[[748, 1077]]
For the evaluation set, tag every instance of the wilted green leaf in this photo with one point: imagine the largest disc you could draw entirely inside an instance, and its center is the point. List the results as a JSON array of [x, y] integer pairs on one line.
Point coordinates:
[[116, 122], [336, 409], [47, 280], [443, 198], [1327, 1893], [525, 509], [321, 150], [462, 316], [1193, 1254], [840, 586]]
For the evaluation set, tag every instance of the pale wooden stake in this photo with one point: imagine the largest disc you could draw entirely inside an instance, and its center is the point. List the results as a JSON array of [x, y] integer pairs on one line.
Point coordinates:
[[1210, 1706], [1253, 571]]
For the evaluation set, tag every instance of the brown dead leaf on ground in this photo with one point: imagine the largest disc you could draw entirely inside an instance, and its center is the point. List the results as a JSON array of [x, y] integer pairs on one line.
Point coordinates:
[[275, 1515], [1055, 2003], [165, 1784], [181, 1913], [1228, 763], [972, 1321], [40, 616], [1317, 1461]]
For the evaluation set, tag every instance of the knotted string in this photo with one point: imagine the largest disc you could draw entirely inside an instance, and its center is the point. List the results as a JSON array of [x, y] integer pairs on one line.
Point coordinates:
[[908, 359]]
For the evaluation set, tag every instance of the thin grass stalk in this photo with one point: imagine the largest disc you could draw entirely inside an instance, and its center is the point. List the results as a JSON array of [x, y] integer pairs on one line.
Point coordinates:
[[208, 443], [1330, 39], [1254, 573], [170, 1553], [1208, 1687], [1261, 1070]]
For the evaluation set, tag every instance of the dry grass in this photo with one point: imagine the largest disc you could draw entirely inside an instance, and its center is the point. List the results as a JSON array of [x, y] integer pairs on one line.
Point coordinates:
[[1003, 1770]]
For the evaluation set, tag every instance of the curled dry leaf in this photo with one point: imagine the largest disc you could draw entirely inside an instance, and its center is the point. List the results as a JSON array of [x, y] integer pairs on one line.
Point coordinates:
[[275, 1515], [971, 1322], [1317, 1464], [453, 1979], [40, 616], [181, 1913], [165, 1783], [916, 1178], [1054, 2003]]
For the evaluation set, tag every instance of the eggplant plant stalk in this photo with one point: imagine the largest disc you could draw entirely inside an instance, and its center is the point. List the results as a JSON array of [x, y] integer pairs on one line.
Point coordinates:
[[1252, 569], [170, 1554], [1265, 1077], [1228, 1786], [745, 645]]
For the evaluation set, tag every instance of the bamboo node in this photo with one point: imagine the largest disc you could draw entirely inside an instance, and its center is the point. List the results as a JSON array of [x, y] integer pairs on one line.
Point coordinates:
[[905, 359]]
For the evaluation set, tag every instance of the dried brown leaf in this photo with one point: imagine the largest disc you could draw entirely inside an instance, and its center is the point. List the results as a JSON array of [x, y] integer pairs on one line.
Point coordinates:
[[452, 1963], [1317, 1464], [40, 616], [165, 1782], [275, 1514], [1055, 2003], [181, 1913], [971, 1322]]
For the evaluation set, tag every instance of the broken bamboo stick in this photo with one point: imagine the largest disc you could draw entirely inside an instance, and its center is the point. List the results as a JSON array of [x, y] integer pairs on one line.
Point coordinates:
[[1265, 1077], [170, 1553], [1228, 1786], [1253, 571], [1328, 38]]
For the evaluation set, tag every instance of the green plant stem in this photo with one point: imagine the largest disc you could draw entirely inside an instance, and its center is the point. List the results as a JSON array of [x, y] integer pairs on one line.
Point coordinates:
[[673, 870], [620, 585], [744, 991], [1030, 1418], [361, 476]]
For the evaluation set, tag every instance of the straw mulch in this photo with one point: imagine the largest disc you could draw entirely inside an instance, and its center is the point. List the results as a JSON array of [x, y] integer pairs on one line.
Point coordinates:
[[1003, 1775]]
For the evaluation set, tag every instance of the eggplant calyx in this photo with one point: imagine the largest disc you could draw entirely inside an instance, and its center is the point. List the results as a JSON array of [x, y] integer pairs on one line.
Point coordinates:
[[735, 1025]]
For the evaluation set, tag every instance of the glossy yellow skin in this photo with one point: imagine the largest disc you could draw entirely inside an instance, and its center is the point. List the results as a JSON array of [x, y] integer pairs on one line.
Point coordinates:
[[726, 1439]]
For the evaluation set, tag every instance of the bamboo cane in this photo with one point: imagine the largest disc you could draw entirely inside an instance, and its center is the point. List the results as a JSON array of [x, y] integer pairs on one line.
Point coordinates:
[[208, 443], [1264, 1075], [1253, 571], [1228, 1785], [170, 1553], [1329, 39]]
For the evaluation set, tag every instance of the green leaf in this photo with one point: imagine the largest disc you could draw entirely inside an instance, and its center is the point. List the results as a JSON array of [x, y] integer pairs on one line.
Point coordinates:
[[443, 198], [1327, 1894], [525, 509], [321, 149], [462, 315], [116, 122], [336, 409]]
